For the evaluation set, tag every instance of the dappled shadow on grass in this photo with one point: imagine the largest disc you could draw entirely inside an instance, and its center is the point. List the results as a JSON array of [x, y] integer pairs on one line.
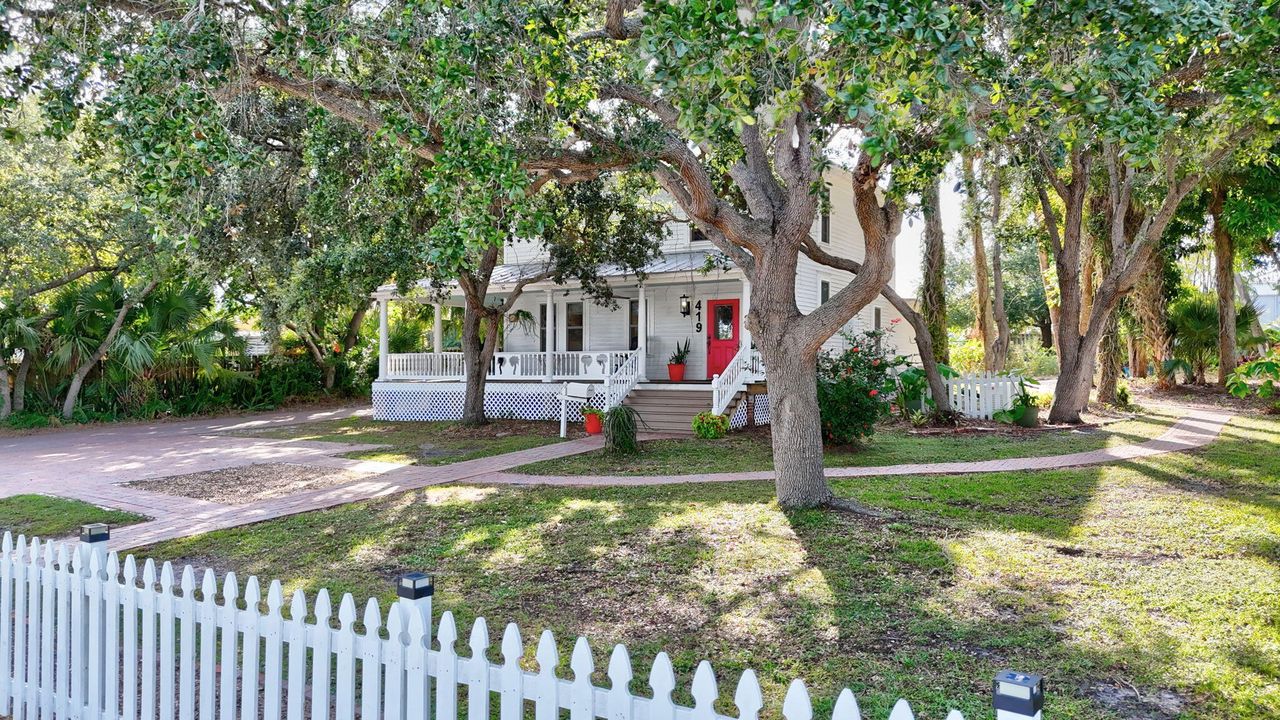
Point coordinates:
[[1098, 574]]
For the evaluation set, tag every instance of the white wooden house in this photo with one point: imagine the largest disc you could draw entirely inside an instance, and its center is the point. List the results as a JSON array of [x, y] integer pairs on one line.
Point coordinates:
[[625, 348]]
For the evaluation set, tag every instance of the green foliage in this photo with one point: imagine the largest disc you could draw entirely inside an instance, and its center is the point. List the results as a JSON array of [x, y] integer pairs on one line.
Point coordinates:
[[620, 429], [1194, 319], [1024, 402], [710, 426], [681, 354], [913, 387], [854, 387], [1265, 370]]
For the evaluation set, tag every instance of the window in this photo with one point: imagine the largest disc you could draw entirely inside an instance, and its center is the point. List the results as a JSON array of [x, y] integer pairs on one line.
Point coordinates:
[[824, 291], [573, 325], [877, 318], [696, 235], [724, 322], [542, 327], [633, 321], [826, 227]]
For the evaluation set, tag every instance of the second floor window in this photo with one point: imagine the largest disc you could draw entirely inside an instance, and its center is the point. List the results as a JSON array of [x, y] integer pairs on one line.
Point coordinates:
[[824, 291], [825, 232]]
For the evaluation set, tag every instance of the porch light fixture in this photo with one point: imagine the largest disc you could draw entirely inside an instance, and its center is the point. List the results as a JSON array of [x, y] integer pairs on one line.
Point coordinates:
[[684, 305], [415, 586], [1017, 696]]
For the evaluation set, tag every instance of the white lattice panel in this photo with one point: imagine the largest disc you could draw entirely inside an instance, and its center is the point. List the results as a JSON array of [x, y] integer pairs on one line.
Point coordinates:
[[739, 418], [444, 401]]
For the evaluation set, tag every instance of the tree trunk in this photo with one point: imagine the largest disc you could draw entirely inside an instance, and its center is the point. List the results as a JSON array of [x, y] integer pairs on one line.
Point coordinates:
[[795, 422], [6, 397], [1109, 376], [924, 344], [20, 382], [330, 371], [933, 299], [477, 355], [982, 283], [1224, 277], [1046, 334], [77, 379], [1154, 312], [1000, 348], [1050, 296]]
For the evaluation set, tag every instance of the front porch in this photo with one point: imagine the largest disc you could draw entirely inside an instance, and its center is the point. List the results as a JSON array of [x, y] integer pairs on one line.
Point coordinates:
[[554, 334]]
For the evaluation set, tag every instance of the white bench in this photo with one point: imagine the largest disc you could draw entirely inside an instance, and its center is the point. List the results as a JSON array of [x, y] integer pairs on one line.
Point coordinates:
[[576, 392]]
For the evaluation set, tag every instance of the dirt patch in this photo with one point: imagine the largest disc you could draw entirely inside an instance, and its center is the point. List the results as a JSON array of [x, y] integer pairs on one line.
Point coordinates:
[[249, 483], [1131, 703]]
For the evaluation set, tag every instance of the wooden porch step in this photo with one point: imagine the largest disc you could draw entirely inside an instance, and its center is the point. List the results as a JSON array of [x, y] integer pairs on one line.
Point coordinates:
[[669, 411]]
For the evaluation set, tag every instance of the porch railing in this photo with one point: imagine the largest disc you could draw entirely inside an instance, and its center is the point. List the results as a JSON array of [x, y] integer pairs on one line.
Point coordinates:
[[585, 365], [622, 381], [746, 366]]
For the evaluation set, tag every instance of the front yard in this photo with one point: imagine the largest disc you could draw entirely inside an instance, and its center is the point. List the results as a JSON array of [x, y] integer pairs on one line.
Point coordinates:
[[1147, 589], [891, 445]]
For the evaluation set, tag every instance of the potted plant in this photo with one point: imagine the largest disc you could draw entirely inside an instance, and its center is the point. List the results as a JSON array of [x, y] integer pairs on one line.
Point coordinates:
[[675, 365], [591, 418], [1025, 411]]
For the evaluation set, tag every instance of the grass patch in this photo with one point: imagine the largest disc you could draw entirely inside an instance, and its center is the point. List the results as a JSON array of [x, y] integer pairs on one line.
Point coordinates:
[[420, 443], [51, 517], [748, 452], [1163, 574]]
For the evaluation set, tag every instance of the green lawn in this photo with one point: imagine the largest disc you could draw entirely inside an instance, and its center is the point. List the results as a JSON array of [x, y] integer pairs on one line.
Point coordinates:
[[50, 517], [746, 452], [1163, 575], [421, 443]]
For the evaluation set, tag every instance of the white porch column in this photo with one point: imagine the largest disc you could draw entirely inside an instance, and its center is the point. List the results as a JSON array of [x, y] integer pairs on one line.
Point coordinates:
[[744, 333], [384, 343], [549, 333], [642, 318], [437, 331]]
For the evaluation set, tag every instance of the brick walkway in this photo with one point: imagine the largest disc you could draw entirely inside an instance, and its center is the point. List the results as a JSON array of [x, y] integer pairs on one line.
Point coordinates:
[[90, 464], [1195, 429]]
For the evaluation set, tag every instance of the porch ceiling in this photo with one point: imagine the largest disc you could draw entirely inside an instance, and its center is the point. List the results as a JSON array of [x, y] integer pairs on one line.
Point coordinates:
[[659, 271]]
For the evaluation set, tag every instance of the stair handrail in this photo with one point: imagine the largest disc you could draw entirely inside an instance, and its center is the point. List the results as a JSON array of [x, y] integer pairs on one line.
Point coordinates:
[[619, 384], [726, 385]]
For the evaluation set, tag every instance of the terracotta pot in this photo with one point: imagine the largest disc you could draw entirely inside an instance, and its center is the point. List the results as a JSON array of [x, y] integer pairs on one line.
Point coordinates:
[[593, 424], [675, 372]]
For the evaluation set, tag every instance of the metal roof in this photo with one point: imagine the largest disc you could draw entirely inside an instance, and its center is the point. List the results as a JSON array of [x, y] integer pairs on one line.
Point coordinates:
[[690, 261]]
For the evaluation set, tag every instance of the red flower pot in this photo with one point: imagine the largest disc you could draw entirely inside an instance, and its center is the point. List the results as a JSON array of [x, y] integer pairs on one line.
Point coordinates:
[[675, 372], [592, 422]]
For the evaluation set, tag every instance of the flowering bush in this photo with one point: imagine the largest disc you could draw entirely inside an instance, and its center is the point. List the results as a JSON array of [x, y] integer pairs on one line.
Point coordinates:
[[854, 386], [710, 426]]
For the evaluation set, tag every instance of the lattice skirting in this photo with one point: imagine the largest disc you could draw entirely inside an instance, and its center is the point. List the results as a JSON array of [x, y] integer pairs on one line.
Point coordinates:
[[739, 418], [443, 401]]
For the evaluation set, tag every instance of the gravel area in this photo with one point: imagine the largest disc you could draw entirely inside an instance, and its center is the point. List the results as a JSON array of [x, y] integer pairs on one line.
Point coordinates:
[[248, 483]]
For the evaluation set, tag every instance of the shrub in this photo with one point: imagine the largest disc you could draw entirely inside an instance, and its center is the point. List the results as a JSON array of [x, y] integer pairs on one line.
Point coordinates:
[[710, 426], [619, 429], [1123, 398], [1267, 369], [854, 387]]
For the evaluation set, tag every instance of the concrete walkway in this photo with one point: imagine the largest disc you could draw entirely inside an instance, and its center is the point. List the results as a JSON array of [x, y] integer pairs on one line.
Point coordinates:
[[90, 464], [1195, 429]]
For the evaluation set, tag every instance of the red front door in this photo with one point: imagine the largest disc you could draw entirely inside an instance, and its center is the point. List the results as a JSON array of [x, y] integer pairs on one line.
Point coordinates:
[[722, 335]]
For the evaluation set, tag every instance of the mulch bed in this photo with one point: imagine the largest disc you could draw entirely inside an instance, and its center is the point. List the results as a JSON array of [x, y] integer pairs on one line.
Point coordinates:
[[248, 483]]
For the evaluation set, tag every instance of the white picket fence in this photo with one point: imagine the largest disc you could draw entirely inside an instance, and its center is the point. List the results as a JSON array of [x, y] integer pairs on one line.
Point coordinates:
[[981, 395], [80, 638]]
